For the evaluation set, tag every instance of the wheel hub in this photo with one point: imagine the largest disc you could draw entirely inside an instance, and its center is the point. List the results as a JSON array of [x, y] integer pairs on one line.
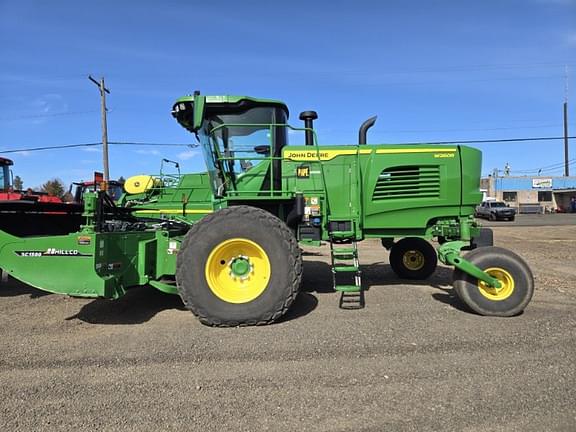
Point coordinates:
[[237, 270], [240, 267], [413, 260], [506, 285]]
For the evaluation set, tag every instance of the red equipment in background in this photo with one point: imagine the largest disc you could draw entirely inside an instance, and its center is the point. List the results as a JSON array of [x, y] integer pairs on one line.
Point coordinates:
[[7, 192]]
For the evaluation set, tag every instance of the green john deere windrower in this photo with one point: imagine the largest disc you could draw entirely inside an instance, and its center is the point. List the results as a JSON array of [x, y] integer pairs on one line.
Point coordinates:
[[227, 240]]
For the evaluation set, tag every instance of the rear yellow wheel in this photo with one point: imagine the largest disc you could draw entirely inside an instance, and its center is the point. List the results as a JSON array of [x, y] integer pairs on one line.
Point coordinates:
[[516, 282], [413, 260], [506, 285], [237, 270]]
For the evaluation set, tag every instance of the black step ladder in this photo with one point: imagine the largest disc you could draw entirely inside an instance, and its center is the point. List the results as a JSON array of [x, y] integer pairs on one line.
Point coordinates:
[[346, 275]]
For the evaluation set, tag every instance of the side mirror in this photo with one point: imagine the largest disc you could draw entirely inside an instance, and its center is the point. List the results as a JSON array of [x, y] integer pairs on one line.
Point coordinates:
[[262, 149]]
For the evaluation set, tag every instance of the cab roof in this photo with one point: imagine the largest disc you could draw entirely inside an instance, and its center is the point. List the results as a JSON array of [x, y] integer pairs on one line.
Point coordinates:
[[184, 107], [235, 100]]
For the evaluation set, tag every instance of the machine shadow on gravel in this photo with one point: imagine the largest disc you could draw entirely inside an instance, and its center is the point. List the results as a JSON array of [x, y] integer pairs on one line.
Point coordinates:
[[141, 304], [137, 306], [318, 279], [304, 304], [441, 280], [13, 288], [449, 297]]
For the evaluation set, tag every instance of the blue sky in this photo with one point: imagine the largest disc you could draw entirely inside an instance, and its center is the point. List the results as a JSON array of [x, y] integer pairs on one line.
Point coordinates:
[[430, 70]]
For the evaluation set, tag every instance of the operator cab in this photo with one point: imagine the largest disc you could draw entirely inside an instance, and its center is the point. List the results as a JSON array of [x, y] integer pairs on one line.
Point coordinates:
[[5, 176], [241, 139]]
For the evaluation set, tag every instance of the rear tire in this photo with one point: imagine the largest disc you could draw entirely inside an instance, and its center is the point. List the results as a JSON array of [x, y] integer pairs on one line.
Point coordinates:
[[512, 271], [413, 258], [492, 217], [239, 266]]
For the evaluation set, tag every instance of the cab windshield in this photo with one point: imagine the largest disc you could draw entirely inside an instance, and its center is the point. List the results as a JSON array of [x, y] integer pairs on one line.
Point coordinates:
[[234, 143], [4, 177]]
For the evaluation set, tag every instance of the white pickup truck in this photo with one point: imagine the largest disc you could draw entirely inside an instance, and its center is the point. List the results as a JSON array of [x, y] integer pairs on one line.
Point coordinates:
[[495, 210]]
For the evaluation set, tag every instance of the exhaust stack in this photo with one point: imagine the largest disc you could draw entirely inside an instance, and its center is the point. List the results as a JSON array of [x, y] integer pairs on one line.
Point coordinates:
[[364, 129], [309, 117]]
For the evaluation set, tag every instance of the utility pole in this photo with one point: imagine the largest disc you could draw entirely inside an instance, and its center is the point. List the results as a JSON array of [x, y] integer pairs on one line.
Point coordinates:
[[566, 155], [495, 178], [103, 91]]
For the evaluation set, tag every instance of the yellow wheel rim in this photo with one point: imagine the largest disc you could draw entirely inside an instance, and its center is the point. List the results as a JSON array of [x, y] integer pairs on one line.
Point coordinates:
[[237, 270], [506, 281], [413, 260]]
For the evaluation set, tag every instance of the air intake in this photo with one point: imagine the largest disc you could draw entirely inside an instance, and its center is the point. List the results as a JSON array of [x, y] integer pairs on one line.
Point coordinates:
[[407, 182]]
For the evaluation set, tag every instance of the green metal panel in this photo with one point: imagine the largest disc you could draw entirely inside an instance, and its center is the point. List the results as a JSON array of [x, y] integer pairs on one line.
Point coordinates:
[[403, 188], [87, 264], [199, 105], [187, 198], [471, 160], [251, 182], [58, 264], [406, 187]]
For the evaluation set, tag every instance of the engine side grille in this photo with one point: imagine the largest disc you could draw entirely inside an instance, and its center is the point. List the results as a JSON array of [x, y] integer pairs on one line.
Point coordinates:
[[407, 182]]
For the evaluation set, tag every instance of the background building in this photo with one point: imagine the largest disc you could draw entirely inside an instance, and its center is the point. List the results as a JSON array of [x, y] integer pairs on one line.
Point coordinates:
[[532, 194]]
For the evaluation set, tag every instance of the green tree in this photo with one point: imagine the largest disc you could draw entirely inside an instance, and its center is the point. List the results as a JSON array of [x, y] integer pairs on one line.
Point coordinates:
[[18, 183], [54, 187]]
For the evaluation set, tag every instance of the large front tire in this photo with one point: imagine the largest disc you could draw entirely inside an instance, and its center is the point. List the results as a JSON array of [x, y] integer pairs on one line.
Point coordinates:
[[516, 279], [239, 266], [413, 258]]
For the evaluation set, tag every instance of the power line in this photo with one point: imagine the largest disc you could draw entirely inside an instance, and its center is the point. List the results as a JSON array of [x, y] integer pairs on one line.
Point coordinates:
[[152, 144], [545, 167], [544, 170], [470, 130], [488, 141], [133, 143], [552, 171], [67, 146]]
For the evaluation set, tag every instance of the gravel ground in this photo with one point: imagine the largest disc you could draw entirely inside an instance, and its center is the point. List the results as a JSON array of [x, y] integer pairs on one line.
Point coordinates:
[[414, 359]]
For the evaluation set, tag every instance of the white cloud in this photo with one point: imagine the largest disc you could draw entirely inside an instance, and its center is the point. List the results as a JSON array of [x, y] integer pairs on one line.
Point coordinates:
[[51, 103], [95, 149], [23, 153], [188, 154], [148, 152]]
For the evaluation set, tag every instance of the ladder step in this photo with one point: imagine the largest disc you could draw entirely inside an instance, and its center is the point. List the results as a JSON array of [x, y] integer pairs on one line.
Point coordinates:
[[345, 268], [344, 252], [345, 262], [342, 234], [343, 257], [348, 288]]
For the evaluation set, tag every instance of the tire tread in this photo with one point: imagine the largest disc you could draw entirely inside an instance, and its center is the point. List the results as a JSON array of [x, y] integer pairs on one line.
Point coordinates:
[[265, 220]]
